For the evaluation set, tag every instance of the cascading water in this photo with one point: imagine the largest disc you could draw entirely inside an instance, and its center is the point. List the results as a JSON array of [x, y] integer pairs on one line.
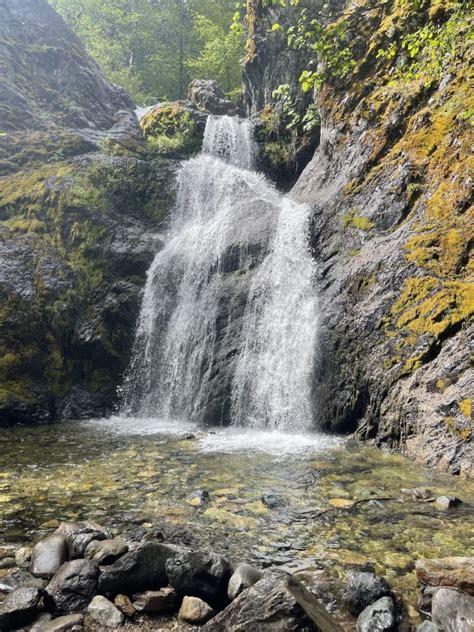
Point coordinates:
[[229, 317]]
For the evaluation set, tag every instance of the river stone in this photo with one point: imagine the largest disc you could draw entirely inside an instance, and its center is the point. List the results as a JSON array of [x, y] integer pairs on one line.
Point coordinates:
[[362, 589], [40, 622], [380, 616], [17, 578], [48, 555], [202, 574], [195, 610], [138, 570], [73, 586], [276, 603], [453, 611], [124, 604], [157, 601], [19, 607], [64, 624], [105, 551], [427, 626], [23, 555], [102, 611], [243, 577], [457, 572]]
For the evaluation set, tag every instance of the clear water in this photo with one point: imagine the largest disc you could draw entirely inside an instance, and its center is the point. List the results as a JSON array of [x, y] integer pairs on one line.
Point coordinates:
[[141, 474], [233, 237]]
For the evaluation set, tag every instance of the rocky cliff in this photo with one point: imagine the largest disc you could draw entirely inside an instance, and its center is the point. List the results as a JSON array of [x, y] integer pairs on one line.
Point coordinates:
[[80, 204], [393, 228]]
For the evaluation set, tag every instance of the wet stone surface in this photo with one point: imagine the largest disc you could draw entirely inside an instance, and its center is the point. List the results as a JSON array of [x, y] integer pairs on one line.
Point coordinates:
[[341, 506]]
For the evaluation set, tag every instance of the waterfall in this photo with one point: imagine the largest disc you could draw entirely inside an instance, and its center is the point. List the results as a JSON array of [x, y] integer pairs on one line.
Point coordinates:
[[228, 320]]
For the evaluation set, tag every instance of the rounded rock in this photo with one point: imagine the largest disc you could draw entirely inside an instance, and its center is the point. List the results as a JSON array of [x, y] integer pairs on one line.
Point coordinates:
[[103, 612], [195, 610], [380, 616], [363, 589]]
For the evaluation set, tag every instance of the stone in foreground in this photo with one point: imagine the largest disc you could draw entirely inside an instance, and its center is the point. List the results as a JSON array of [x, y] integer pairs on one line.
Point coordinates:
[[48, 555], [456, 572], [124, 604], [363, 589], [195, 610], [103, 612], [156, 601], [452, 610], [73, 586], [64, 624], [276, 603], [138, 570], [380, 616], [243, 577], [19, 608], [202, 574]]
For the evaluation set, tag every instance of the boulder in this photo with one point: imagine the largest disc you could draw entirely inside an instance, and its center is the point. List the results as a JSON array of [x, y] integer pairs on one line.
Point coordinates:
[[156, 601], [243, 577], [202, 574], [138, 570], [363, 589], [64, 624], [105, 551], [73, 586], [48, 555], [19, 608], [276, 603], [457, 572], [452, 610], [380, 616], [195, 610], [206, 94], [103, 612]]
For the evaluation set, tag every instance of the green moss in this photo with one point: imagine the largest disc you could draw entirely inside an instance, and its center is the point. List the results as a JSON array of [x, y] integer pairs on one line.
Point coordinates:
[[352, 219], [170, 129]]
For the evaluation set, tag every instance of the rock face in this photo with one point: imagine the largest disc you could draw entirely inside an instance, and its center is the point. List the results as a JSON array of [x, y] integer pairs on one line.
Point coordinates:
[[394, 294], [81, 200], [275, 603]]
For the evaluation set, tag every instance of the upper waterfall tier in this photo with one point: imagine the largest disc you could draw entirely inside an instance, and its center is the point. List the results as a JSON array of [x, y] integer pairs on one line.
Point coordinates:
[[228, 323]]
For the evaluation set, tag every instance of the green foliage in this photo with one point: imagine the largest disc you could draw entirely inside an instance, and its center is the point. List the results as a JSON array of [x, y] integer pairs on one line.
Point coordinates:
[[155, 47]]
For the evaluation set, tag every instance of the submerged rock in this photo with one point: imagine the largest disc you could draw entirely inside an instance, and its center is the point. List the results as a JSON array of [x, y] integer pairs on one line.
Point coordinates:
[[276, 603], [19, 607], [457, 572], [453, 611], [48, 555], [73, 586], [362, 589], [380, 616], [103, 612], [202, 574], [141, 569], [195, 610]]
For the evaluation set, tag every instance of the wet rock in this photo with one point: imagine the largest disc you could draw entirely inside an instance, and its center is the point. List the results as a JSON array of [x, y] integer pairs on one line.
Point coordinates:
[[380, 616], [445, 502], [48, 555], [276, 603], [363, 589], [272, 502], [103, 612], [243, 577], [73, 586], [417, 493], [457, 572], [19, 578], [23, 556], [19, 607], [453, 611], [7, 562], [124, 604], [195, 610], [64, 624], [207, 95], [202, 574], [427, 626], [105, 551], [7, 552], [138, 570], [156, 601], [80, 535], [199, 498]]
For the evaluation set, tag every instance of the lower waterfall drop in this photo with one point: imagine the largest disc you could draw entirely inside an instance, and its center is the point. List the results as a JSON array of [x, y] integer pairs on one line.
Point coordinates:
[[228, 323]]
